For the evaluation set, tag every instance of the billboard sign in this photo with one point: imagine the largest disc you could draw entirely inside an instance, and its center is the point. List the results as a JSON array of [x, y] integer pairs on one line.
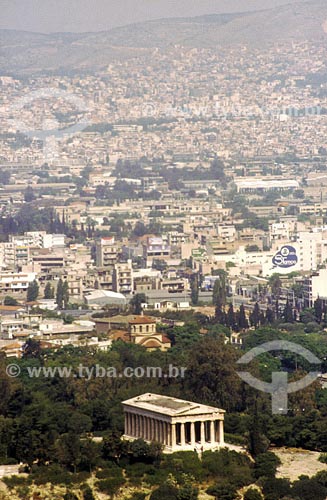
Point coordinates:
[[285, 257]]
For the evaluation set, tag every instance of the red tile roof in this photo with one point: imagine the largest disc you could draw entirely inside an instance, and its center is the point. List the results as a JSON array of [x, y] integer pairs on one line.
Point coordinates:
[[142, 320]]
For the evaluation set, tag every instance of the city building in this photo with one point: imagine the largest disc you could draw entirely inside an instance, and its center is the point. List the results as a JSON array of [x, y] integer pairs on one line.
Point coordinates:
[[122, 278], [106, 252], [155, 249]]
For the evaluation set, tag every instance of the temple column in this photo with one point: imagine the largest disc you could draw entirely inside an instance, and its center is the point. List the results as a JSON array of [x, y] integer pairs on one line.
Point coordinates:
[[132, 424], [221, 432], [147, 427], [145, 430], [182, 434], [129, 424], [126, 423], [155, 430], [193, 433], [152, 429], [212, 432], [142, 426], [155, 437], [169, 434], [138, 426], [173, 435], [202, 434], [165, 434]]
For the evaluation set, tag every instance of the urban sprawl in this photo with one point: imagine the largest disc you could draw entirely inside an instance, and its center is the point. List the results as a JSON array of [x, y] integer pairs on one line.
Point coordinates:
[[145, 184]]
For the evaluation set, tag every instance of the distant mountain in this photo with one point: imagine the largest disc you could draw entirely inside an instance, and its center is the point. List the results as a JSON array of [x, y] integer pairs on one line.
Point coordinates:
[[23, 52]]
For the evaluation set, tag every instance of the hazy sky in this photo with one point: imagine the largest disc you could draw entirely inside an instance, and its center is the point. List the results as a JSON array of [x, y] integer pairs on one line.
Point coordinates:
[[97, 15]]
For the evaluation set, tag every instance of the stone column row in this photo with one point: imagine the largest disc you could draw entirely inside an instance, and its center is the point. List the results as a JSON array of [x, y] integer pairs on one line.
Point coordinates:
[[212, 433], [151, 429]]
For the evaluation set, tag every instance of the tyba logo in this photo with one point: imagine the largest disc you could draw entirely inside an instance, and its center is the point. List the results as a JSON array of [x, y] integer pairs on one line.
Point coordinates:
[[279, 387]]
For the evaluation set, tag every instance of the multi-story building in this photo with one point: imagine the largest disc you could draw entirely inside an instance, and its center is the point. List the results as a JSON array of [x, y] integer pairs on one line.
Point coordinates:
[[315, 286], [122, 277], [15, 282], [226, 231], [106, 252], [17, 251], [155, 248]]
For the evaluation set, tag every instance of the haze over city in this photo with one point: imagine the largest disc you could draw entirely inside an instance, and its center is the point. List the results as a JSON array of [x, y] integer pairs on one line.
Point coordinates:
[[97, 15]]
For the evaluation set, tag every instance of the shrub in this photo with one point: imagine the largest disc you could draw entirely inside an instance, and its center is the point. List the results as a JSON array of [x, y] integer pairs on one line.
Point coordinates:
[[111, 485], [165, 492], [14, 481], [53, 474], [223, 491], [228, 466], [275, 489], [307, 489], [253, 494], [323, 458], [70, 496], [266, 465], [23, 492], [80, 477], [155, 476], [137, 496], [109, 473], [87, 493], [185, 462], [188, 492], [236, 439], [321, 478], [9, 301], [137, 471]]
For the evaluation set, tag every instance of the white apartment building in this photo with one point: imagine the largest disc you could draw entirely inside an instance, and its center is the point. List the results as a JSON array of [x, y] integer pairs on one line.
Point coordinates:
[[122, 278], [315, 286], [15, 282], [226, 231], [279, 231], [17, 251]]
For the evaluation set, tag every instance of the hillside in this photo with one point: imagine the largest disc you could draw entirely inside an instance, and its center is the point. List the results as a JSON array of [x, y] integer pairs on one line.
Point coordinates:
[[23, 52]]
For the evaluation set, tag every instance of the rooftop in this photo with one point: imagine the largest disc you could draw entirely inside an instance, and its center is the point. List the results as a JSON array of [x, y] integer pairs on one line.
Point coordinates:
[[142, 320], [170, 406]]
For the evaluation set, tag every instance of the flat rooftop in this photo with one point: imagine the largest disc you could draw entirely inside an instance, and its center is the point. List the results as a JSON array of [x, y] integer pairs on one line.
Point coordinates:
[[169, 406]]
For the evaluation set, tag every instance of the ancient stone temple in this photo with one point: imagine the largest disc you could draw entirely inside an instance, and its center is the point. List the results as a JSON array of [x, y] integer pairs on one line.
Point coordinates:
[[175, 423]]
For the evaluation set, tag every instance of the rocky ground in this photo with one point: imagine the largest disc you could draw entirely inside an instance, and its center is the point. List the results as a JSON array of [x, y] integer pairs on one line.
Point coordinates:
[[296, 462]]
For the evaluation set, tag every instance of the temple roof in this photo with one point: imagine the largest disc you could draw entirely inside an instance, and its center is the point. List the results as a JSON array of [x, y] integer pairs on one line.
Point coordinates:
[[170, 406]]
